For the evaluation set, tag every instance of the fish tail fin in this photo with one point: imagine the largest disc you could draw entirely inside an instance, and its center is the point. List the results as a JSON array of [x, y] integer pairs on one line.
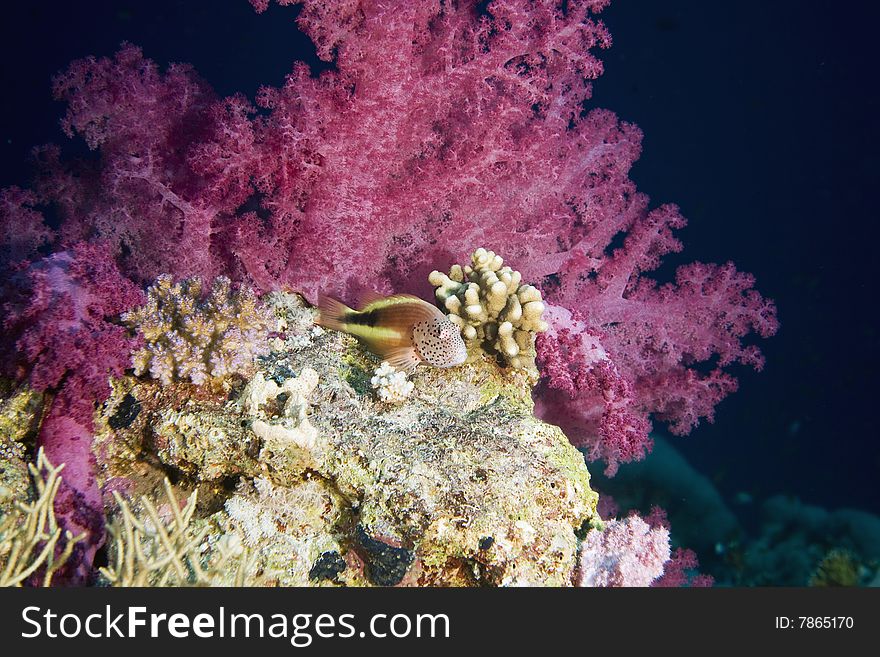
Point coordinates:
[[333, 314]]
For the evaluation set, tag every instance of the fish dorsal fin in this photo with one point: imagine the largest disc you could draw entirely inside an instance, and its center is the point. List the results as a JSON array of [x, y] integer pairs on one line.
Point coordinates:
[[373, 300], [367, 296], [403, 358]]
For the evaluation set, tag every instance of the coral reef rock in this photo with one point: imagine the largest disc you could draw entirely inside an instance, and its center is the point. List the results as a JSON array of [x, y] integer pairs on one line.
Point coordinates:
[[20, 409], [322, 483]]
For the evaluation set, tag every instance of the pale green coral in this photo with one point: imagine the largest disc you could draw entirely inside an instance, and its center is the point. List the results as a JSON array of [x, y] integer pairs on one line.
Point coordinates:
[[30, 534], [492, 307], [199, 338]]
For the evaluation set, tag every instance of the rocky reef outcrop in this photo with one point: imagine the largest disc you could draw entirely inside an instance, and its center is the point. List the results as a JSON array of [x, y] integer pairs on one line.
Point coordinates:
[[316, 481]]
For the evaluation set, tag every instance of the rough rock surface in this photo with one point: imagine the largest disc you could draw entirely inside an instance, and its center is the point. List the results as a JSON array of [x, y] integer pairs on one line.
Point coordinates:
[[20, 410], [459, 485]]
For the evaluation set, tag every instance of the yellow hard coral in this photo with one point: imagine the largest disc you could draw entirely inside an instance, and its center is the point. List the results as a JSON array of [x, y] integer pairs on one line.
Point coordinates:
[[491, 306], [194, 337]]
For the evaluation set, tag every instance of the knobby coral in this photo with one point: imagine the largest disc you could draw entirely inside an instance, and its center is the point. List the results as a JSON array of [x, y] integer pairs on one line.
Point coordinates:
[[198, 337], [491, 306], [31, 540]]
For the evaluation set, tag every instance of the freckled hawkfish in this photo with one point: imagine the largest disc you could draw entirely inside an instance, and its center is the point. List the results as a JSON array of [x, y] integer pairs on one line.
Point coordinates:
[[401, 329]]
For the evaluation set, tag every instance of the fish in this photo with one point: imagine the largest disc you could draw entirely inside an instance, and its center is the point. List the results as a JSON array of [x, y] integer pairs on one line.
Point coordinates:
[[401, 329]]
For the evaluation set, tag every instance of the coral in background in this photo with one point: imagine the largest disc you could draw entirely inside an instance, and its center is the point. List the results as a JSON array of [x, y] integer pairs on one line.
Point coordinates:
[[391, 386], [796, 538], [837, 568], [625, 552], [585, 393], [192, 336], [492, 307], [22, 230], [32, 543]]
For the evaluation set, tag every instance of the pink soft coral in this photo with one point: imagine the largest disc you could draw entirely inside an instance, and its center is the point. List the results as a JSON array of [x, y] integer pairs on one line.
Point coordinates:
[[681, 569], [442, 127], [59, 335], [626, 552]]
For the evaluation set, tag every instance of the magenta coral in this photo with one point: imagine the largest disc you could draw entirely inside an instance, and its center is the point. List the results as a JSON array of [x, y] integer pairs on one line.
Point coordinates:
[[59, 336], [681, 569], [584, 392], [58, 326], [443, 126]]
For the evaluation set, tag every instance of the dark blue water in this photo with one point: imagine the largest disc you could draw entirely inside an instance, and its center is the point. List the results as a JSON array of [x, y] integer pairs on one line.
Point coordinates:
[[760, 121]]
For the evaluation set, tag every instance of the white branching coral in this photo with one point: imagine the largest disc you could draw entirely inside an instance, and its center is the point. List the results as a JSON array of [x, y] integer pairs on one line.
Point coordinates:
[[391, 385], [147, 551], [491, 306], [193, 337], [30, 538]]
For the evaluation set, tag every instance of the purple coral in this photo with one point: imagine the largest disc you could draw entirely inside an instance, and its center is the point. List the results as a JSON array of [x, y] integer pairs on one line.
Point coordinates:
[[443, 126], [60, 337]]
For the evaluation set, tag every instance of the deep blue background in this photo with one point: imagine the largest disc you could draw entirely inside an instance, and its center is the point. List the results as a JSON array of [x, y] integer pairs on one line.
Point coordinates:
[[760, 121]]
